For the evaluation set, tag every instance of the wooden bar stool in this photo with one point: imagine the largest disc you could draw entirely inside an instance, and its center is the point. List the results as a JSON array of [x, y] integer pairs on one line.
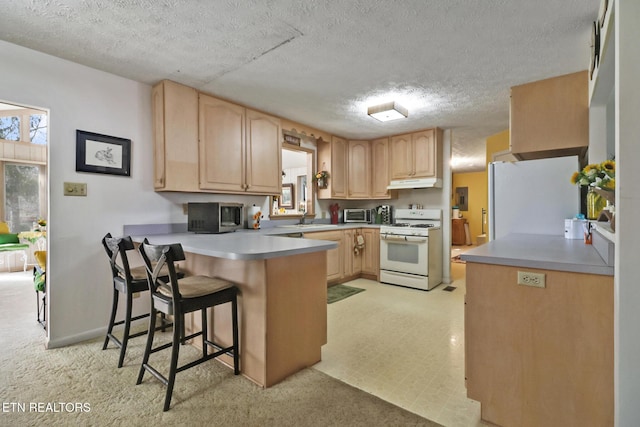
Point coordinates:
[[177, 297], [127, 281]]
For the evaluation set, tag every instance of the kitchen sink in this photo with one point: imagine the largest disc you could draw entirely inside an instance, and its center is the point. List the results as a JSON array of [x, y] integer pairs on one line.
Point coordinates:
[[308, 226]]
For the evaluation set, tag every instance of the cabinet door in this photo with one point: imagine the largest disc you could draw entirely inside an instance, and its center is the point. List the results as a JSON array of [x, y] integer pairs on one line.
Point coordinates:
[[359, 170], [222, 148], [401, 157], [550, 118], [339, 149], [371, 253], [175, 137], [424, 154], [353, 261], [380, 169], [264, 153], [335, 257], [157, 106]]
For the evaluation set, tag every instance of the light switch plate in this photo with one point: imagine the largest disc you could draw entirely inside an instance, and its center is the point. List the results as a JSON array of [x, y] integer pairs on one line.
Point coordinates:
[[75, 188]]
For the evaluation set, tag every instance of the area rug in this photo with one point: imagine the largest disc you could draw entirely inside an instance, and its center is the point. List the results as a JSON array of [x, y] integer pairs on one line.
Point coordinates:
[[339, 292]]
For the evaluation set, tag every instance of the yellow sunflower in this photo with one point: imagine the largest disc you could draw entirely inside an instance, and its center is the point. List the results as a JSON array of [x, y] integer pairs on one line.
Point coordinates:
[[575, 177], [609, 184], [609, 167]]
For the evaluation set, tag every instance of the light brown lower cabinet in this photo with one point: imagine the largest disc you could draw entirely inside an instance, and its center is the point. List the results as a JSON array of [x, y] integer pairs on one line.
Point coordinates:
[[335, 257], [343, 263], [539, 356], [371, 253]]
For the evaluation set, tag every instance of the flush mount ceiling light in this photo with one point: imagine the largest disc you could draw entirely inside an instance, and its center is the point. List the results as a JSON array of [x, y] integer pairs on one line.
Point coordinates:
[[388, 111]]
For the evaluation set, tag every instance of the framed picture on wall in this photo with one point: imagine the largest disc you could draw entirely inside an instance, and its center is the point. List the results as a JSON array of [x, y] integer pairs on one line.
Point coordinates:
[[286, 198], [102, 154]]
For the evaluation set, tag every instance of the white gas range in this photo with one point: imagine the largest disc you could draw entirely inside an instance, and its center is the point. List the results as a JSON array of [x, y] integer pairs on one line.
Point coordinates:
[[411, 249]]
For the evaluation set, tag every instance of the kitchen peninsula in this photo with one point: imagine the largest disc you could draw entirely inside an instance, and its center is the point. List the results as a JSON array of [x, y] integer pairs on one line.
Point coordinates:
[[539, 331], [282, 302]]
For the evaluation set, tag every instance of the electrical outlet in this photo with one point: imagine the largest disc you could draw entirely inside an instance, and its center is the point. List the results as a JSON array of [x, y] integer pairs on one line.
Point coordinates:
[[531, 279], [75, 189]]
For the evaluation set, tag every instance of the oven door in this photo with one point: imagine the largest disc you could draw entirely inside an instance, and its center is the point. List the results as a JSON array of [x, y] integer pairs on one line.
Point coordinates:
[[404, 254]]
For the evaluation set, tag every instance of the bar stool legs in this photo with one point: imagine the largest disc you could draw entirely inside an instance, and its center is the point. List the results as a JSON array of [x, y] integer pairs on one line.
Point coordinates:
[[178, 297], [122, 344], [177, 340]]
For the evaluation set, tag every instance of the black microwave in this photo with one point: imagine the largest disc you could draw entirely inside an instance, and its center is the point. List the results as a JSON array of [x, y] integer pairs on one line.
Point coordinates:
[[214, 217]]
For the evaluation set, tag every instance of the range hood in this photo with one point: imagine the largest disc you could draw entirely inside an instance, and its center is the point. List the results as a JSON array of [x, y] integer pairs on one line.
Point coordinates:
[[415, 183]]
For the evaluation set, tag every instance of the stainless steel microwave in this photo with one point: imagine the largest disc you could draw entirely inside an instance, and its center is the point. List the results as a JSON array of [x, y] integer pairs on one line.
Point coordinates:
[[357, 215], [214, 217]]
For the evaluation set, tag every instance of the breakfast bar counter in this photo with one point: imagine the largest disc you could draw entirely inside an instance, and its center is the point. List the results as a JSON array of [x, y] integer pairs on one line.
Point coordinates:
[[282, 301], [241, 245]]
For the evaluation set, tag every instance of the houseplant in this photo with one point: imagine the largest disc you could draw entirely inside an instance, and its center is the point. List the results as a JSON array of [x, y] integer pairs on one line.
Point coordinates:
[[600, 179]]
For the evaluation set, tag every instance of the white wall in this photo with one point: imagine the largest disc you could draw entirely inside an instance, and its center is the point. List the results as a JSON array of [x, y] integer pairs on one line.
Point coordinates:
[[79, 97], [82, 98], [627, 291]]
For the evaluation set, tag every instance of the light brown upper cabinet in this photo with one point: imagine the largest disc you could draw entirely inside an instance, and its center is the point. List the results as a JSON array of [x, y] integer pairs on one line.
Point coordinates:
[[359, 170], [264, 153], [416, 155], [380, 169], [332, 157], [175, 137], [550, 118], [239, 149]]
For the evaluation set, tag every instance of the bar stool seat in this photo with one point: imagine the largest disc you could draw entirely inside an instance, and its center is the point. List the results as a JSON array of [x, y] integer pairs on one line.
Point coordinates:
[[128, 281], [178, 297]]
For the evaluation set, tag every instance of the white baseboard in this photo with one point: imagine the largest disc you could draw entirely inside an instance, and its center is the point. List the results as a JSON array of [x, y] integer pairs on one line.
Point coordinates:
[[74, 339]]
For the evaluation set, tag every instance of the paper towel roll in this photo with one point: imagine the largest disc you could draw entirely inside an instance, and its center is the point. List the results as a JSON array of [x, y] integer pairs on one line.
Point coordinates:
[[254, 217]]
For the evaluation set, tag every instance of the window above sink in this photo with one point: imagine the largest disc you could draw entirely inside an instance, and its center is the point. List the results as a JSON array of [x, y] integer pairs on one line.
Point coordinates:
[[298, 192]]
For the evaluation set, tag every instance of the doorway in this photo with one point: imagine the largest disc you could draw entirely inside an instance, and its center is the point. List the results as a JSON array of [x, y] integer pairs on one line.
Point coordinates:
[[24, 210]]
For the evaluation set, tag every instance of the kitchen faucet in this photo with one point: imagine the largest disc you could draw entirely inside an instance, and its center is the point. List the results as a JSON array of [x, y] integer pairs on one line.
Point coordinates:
[[302, 219]]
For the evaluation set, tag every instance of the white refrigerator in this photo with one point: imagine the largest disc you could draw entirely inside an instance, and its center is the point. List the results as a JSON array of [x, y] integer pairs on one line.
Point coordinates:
[[532, 196]]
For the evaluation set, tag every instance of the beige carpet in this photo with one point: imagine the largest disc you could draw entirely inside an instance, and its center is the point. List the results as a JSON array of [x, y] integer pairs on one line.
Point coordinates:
[[86, 377]]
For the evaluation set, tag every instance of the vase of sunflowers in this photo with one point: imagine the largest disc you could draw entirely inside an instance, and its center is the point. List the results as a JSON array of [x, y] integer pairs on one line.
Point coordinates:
[[600, 178], [321, 178]]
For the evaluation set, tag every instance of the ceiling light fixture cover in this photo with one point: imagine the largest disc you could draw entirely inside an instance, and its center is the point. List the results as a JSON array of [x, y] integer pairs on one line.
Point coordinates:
[[388, 111]]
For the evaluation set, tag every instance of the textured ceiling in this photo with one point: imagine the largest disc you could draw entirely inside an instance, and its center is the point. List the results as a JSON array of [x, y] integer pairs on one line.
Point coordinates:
[[451, 63]]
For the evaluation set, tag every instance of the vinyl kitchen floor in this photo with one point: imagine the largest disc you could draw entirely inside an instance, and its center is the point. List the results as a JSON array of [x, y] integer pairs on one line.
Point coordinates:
[[405, 346]]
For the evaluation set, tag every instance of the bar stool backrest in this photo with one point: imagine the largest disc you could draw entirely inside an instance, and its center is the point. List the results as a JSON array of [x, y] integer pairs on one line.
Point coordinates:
[[117, 247], [155, 257]]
